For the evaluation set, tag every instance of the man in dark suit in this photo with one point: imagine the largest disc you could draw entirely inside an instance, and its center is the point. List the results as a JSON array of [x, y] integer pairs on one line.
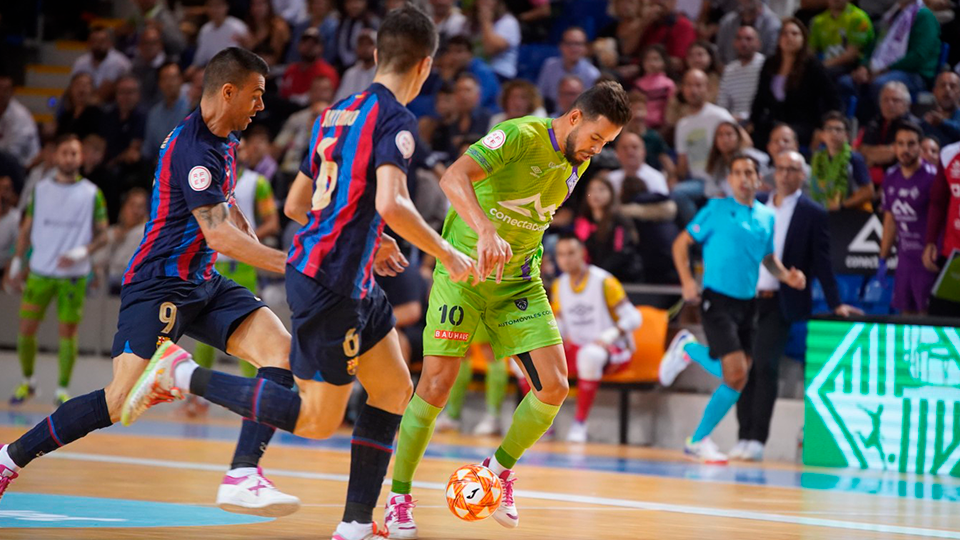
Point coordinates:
[[802, 241]]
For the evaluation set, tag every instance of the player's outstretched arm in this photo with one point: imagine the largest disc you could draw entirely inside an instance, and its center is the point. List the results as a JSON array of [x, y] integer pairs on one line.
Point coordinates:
[[397, 210], [223, 236], [241, 222], [493, 252]]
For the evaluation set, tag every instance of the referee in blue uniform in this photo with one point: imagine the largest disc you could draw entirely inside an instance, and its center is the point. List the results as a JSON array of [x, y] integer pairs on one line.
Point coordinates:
[[736, 234]]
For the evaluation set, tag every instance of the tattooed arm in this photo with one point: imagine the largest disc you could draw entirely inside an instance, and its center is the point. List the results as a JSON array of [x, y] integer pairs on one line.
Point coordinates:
[[223, 235]]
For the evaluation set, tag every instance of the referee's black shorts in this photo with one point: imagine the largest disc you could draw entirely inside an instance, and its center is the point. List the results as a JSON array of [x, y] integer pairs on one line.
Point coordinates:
[[728, 322]]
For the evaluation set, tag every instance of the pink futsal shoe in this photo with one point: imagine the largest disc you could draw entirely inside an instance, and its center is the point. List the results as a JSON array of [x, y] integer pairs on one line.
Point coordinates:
[[157, 384], [398, 517], [507, 514], [255, 494], [7, 476]]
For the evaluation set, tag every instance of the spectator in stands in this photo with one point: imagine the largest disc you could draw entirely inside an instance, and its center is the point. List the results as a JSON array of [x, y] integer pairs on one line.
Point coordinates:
[[167, 113], [738, 85], [655, 217], [754, 13], [124, 123], [658, 88], [449, 19], [79, 113], [219, 32], [291, 143], [840, 178], [499, 33], [784, 90], [906, 201], [943, 122], [322, 16], [876, 145], [298, 75], [619, 41], [572, 61], [568, 90], [18, 131], [520, 98], [710, 14], [146, 64], [596, 321], [632, 155], [359, 76], [459, 57], [104, 63], [702, 55], [123, 238], [782, 139], [801, 240], [840, 35], [664, 24], [44, 167], [468, 118], [354, 18], [269, 33], [9, 220], [534, 18], [729, 140], [943, 224], [257, 145], [610, 237], [656, 149], [292, 11], [94, 168], [155, 14], [192, 89], [907, 50], [694, 134], [930, 150]]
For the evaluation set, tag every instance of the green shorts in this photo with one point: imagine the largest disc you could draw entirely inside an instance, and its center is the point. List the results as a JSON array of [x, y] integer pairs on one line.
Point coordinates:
[[516, 316], [242, 274], [39, 291]]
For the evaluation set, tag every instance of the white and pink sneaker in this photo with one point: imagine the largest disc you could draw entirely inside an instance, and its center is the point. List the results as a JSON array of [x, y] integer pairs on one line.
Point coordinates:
[[507, 514], [254, 494], [359, 531], [157, 384], [7, 476], [398, 517], [675, 359]]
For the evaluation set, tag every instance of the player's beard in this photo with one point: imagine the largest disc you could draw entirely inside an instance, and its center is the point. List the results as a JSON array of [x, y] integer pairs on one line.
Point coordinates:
[[570, 150], [909, 164]]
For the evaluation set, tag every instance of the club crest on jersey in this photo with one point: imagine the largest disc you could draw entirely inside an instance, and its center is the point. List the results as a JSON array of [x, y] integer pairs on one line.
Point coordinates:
[[161, 340], [405, 144], [494, 139], [199, 178], [521, 304]]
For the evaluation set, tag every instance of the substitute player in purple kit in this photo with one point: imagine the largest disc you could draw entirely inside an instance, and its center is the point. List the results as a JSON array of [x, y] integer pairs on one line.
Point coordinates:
[[171, 288], [906, 199], [350, 185]]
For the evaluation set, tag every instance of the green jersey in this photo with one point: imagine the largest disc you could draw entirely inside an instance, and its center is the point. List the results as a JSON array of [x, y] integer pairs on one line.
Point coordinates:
[[528, 178], [829, 36]]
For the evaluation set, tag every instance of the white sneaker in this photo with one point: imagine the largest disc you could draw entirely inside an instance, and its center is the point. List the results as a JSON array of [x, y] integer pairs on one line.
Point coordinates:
[[753, 451], [705, 451], [489, 425], [675, 360], [506, 514], [398, 517], [737, 451], [445, 423], [358, 531], [255, 494], [577, 433]]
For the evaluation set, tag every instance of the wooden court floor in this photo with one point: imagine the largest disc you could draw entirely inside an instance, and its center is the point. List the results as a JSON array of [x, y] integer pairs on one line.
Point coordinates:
[[564, 492]]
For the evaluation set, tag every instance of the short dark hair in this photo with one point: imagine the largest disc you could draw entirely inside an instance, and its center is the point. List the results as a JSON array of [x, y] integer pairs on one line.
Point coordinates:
[[65, 138], [741, 156], [835, 116], [458, 40], [168, 64], [607, 99], [907, 125], [232, 65], [406, 36], [467, 75], [258, 130], [569, 235]]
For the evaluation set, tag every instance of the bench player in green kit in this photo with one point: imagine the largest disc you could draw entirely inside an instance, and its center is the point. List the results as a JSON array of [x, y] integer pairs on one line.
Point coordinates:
[[504, 192]]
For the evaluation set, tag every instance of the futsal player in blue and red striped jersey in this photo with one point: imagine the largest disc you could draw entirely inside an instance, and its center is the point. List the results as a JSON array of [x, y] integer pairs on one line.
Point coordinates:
[[171, 288], [350, 185]]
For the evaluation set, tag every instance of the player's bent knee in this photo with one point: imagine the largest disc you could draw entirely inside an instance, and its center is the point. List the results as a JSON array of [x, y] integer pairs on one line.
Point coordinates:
[[736, 379], [590, 361], [555, 390]]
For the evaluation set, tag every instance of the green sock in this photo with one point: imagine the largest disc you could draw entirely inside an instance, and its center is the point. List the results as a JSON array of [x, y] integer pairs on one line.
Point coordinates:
[[247, 369], [27, 351], [458, 394], [416, 428], [67, 357], [496, 386], [204, 355], [530, 421]]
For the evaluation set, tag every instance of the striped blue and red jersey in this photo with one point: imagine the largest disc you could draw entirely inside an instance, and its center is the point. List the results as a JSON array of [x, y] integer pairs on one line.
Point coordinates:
[[350, 141], [196, 168]]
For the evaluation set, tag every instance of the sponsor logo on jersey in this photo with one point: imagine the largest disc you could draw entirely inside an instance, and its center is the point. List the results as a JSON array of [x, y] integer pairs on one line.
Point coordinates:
[[494, 139], [451, 335], [525, 318], [521, 304], [902, 209], [199, 178], [535, 171], [528, 206]]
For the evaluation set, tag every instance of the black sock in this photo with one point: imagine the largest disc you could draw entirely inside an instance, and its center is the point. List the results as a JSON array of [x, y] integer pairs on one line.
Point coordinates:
[[254, 437], [69, 422], [370, 451], [259, 399]]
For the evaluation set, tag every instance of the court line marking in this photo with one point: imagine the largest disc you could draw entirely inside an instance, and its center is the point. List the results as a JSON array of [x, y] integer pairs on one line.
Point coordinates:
[[560, 497]]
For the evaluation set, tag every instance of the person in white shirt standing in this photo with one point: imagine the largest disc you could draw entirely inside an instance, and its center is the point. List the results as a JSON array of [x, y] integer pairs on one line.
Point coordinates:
[[221, 32], [596, 321], [18, 131], [572, 61], [65, 221], [104, 63], [738, 85], [694, 134]]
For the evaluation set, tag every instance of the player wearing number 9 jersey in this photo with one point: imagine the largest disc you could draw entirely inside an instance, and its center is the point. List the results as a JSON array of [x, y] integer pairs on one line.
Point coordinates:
[[350, 185], [171, 287]]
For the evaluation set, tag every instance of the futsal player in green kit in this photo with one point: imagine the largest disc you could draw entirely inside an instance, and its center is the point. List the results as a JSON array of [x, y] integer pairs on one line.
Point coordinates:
[[504, 192]]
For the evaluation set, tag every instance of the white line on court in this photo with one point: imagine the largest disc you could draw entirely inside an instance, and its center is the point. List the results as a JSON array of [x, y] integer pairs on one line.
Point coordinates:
[[561, 497]]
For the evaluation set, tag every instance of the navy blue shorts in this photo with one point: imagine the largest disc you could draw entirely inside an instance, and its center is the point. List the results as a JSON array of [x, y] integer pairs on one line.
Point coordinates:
[[331, 331], [163, 308]]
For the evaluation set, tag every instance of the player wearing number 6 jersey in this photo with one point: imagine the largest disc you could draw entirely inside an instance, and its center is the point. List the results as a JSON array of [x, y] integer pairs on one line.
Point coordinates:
[[171, 288], [504, 193], [350, 185]]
